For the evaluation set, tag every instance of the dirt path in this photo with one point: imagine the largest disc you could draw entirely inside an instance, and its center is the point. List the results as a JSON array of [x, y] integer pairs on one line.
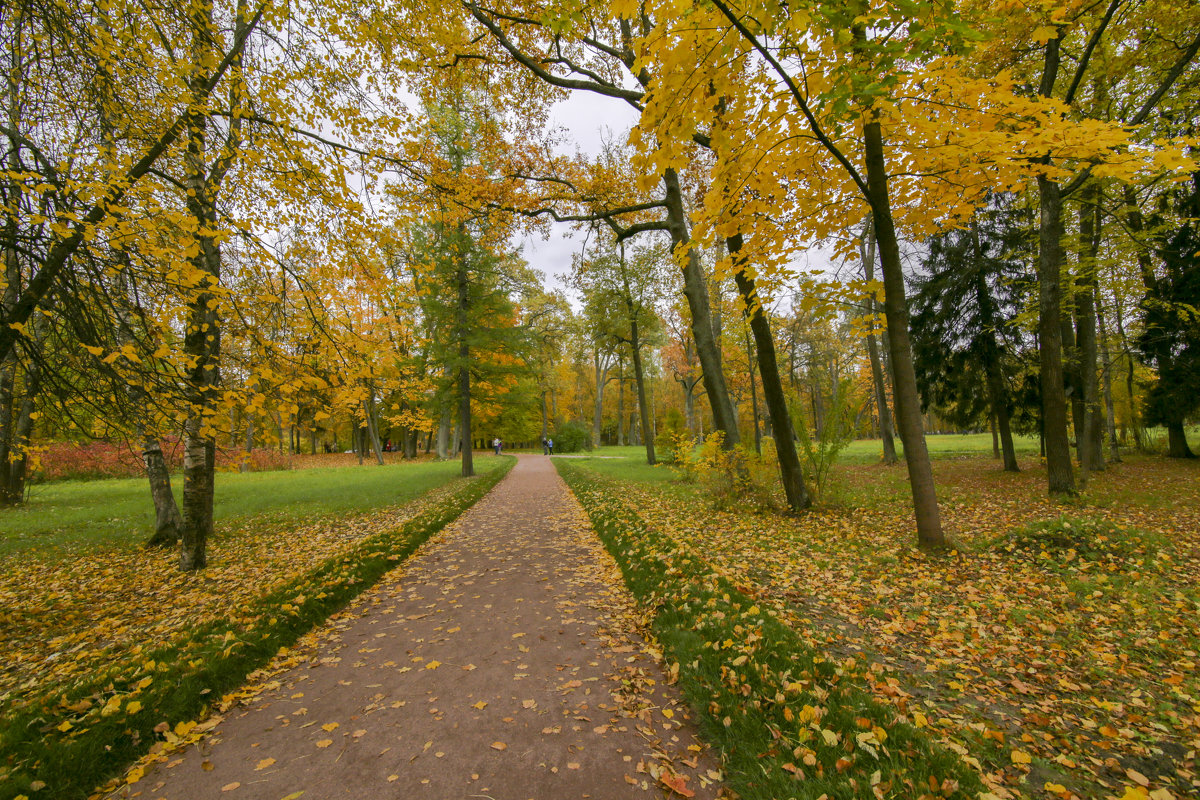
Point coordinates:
[[499, 662]]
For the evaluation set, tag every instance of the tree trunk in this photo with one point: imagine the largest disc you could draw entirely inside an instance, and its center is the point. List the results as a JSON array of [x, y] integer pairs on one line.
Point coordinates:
[[601, 368], [620, 404], [1177, 446], [991, 352], [1134, 422], [753, 394], [639, 377], [202, 346], [168, 523], [995, 436], [1060, 474], [696, 292], [443, 434], [373, 427], [1091, 448], [790, 472], [464, 372], [248, 447], [904, 378], [881, 403], [1106, 365]]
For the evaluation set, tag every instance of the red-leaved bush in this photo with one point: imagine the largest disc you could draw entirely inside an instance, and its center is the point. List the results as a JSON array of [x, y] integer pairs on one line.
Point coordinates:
[[60, 461]]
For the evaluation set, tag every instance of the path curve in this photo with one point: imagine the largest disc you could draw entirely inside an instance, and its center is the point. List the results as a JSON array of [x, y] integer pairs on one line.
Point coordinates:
[[500, 661]]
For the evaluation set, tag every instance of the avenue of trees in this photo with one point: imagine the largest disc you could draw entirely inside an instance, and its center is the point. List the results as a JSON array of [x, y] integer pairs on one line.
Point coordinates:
[[235, 225]]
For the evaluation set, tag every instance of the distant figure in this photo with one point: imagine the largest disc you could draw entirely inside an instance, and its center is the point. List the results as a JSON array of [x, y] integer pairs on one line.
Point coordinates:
[[496, 444], [549, 447], [545, 446]]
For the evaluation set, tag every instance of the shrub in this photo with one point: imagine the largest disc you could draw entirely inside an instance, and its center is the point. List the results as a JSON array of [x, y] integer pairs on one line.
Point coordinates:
[[571, 438], [674, 442], [72, 461], [737, 479]]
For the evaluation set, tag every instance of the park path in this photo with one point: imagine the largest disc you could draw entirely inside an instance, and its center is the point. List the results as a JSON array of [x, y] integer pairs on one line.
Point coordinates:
[[500, 661]]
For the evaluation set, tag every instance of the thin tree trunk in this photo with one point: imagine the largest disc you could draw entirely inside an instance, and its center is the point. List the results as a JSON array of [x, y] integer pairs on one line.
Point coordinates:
[[620, 403], [1091, 448], [1106, 365], [995, 436], [373, 426], [790, 472], [904, 378], [753, 393], [443, 434], [168, 523], [464, 373], [881, 403], [639, 377]]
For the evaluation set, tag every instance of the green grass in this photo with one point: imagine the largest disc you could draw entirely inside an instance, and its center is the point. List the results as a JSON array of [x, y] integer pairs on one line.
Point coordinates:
[[76, 516], [941, 445], [177, 681], [789, 722]]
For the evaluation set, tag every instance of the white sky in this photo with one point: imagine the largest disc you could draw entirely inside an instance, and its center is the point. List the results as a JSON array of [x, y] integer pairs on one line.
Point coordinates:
[[588, 119]]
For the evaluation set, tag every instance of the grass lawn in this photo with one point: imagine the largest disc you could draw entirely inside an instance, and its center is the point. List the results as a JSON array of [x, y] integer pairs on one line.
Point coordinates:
[[72, 517], [1060, 657]]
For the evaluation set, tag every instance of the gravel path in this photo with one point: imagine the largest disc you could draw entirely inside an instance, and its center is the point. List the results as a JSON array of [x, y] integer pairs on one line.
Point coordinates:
[[500, 661]]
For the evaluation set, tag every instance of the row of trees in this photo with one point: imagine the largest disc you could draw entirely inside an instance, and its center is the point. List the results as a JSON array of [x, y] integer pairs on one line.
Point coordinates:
[[236, 218]]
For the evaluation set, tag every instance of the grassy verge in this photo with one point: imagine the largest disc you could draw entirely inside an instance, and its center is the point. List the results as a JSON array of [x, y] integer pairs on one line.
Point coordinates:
[[789, 722], [67, 742], [71, 517]]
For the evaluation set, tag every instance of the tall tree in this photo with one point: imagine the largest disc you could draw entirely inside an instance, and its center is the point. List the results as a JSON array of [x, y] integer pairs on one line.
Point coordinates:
[[1170, 339]]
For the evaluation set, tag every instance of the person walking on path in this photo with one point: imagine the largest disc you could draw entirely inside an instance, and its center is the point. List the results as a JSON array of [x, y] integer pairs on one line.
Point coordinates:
[[501, 660], [496, 443]]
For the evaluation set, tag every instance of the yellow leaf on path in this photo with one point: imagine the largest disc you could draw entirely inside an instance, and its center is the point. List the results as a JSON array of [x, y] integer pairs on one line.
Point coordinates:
[[294, 795], [134, 775], [433, 665], [480, 705], [668, 713], [266, 762], [324, 743], [1021, 757], [329, 727], [529, 704], [469, 667], [184, 728], [499, 746], [1134, 793], [229, 787], [572, 765], [393, 778]]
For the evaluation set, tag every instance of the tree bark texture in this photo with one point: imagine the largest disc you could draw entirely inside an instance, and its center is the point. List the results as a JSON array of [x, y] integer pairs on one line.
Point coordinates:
[[696, 292], [790, 472], [1091, 437], [1060, 474], [877, 378], [904, 378]]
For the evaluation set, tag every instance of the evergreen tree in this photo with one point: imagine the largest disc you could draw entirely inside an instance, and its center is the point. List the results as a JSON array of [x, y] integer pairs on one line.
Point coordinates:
[[964, 341], [1170, 339]]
